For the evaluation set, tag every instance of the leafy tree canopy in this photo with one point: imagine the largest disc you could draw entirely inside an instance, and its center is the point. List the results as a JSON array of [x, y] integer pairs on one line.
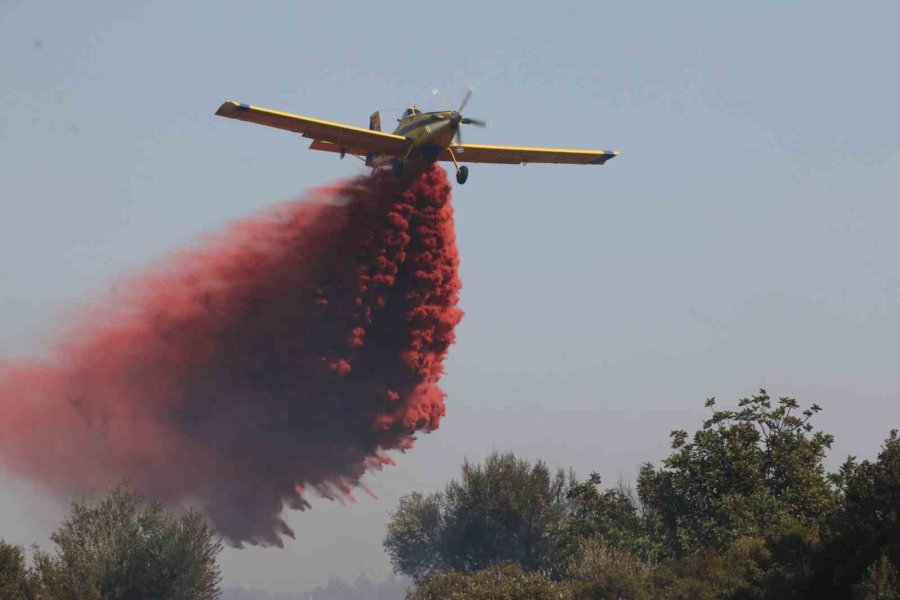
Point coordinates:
[[17, 581], [742, 509], [506, 509], [747, 472], [121, 548], [865, 535]]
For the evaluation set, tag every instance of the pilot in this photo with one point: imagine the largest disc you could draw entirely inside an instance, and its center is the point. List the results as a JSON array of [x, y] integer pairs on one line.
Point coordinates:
[[412, 111]]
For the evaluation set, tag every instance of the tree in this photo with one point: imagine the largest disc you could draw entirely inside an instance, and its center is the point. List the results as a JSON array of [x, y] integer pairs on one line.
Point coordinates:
[[749, 472], [741, 510], [882, 582], [17, 581], [121, 549], [614, 515], [415, 536], [506, 510], [866, 530]]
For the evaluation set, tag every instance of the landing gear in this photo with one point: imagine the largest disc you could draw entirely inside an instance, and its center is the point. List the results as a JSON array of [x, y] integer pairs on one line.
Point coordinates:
[[462, 172], [397, 168]]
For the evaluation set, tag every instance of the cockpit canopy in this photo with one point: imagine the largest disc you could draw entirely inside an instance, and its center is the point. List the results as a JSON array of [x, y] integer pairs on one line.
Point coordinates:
[[411, 111]]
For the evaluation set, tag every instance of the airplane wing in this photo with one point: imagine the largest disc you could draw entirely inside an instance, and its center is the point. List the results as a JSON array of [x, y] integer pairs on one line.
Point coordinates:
[[510, 155], [331, 147], [343, 136]]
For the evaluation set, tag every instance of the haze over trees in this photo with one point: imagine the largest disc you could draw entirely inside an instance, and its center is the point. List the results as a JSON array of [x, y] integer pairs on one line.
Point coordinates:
[[743, 508], [363, 588]]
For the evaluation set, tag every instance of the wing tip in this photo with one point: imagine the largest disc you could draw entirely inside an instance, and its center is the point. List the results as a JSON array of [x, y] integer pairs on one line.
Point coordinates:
[[607, 155], [230, 107]]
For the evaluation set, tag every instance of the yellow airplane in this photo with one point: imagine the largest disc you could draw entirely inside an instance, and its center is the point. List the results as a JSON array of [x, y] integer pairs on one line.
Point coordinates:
[[419, 140]]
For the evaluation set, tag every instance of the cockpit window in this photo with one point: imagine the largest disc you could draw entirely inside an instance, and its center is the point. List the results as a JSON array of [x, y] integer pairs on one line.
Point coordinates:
[[412, 110]]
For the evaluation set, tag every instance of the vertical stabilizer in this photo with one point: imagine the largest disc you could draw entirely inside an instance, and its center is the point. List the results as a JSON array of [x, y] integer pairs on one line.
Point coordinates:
[[374, 125]]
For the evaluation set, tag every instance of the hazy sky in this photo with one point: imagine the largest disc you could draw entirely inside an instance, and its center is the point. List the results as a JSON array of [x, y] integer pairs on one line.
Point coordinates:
[[746, 237]]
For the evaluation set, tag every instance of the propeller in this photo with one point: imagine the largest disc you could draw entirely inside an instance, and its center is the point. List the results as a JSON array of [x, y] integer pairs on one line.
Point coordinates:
[[437, 94], [456, 118], [469, 91]]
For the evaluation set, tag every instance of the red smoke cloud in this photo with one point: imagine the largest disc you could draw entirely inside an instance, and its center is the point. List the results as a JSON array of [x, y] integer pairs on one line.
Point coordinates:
[[285, 355]]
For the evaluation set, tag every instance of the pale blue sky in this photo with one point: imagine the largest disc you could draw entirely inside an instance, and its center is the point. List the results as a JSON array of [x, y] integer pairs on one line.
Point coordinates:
[[746, 237]]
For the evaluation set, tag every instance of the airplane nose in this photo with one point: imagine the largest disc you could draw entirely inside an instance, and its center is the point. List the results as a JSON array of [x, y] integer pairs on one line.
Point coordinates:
[[455, 119]]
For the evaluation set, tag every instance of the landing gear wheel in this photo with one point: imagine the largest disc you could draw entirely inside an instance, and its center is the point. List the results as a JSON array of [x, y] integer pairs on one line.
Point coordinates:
[[462, 175], [397, 168]]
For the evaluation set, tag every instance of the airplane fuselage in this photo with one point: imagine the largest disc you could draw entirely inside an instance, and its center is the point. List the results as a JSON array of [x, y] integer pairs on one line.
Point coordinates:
[[431, 133]]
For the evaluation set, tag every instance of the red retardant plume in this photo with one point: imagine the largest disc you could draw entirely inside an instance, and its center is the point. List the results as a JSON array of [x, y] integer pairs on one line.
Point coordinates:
[[283, 357]]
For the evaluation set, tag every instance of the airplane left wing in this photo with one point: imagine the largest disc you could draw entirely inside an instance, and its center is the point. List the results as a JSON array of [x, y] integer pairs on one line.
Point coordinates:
[[343, 136], [511, 155]]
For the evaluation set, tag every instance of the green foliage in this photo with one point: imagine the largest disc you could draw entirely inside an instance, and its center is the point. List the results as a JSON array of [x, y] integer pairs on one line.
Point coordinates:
[[743, 509], [867, 527], [17, 581], [599, 571], [615, 515], [415, 537], [504, 510], [882, 582], [747, 473], [709, 574], [500, 582], [122, 549]]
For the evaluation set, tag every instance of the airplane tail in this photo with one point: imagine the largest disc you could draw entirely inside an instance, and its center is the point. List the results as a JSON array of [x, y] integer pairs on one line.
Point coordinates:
[[374, 125]]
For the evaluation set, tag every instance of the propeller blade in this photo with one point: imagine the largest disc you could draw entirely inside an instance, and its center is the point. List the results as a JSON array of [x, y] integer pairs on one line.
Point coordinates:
[[466, 98], [475, 122], [437, 95]]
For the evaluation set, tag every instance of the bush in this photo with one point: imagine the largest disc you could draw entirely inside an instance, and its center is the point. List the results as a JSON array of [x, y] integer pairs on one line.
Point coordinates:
[[599, 572], [501, 582]]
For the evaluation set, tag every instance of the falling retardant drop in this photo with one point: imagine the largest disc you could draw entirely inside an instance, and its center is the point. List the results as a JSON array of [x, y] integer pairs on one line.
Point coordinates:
[[281, 358]]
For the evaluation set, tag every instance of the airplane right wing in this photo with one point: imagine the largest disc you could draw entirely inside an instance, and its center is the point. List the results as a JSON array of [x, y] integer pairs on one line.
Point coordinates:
[[360, 140]]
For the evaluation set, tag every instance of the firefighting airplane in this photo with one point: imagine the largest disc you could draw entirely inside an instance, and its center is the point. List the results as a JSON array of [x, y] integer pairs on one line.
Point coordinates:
[[419, 140]]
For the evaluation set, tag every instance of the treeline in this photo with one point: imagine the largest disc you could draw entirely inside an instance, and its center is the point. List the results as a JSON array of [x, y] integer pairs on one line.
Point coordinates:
[[741, 509]]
